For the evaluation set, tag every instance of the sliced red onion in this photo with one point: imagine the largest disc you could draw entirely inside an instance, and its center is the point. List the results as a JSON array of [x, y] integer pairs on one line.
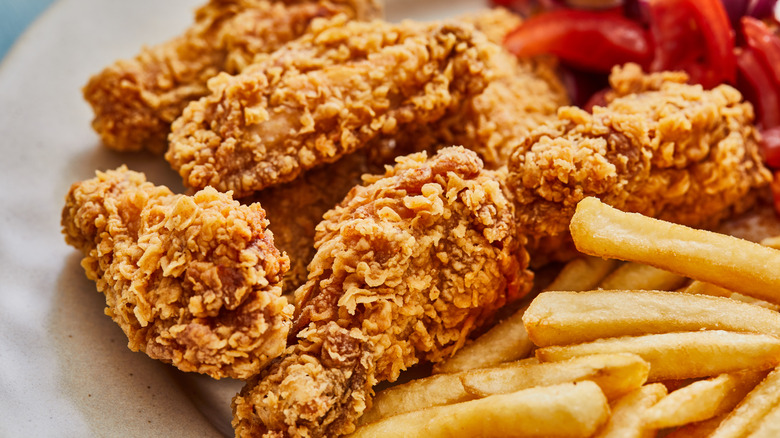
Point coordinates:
[[760, 8]]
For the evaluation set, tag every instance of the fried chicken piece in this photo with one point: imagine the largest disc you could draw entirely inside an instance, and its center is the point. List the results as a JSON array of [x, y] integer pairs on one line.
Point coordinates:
[[522, 94], [135, 101], [191, 280], [322, 96], [296, 207], [660, 147], [406, 267]]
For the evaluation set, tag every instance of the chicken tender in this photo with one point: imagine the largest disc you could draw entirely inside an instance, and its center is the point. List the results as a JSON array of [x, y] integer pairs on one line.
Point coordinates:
[[191, 280], [660, 147], [406, 267], [296, 207], [521, 95], [325, 95], [135, 101]]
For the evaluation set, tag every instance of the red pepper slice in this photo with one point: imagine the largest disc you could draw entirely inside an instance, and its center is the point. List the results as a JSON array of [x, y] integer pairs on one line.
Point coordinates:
[[673, 24], [770, 145], [590, 40], [764, 43], [759, 87]]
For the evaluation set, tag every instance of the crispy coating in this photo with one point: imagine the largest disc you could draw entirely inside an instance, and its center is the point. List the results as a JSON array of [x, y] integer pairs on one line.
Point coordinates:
[[521, 95], [191, 280], [295, 208], [406, 267], [322, 96], [660, 147], [136, 100]]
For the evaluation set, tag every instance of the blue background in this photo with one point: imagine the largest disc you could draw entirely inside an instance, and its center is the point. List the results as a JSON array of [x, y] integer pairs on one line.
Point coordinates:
[[15, 16]]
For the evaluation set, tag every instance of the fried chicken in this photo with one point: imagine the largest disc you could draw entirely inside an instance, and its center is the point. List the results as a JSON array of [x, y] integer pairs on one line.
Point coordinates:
[[296, 207], [660, 147], [136, 100], [406, 267], [521, 94], [329, 93], [191, 280]]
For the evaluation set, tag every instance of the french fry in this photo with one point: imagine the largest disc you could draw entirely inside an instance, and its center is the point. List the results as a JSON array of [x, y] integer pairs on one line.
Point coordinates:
[[627, 420], [561, 318], [582, 273], [736, 264], [772, 242], [682, 355], [505, 342], [616, 374], [508, 341], [637, 276], [769, 427], [702, 400], [568, 410], [704, 288], [436, 390], [756, 405], [702, 429]]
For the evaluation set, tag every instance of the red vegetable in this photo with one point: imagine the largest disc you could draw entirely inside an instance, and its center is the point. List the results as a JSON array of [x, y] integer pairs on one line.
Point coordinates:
[[759, 87], [764, 43], [590, 40], [770, 145], [695, 35]]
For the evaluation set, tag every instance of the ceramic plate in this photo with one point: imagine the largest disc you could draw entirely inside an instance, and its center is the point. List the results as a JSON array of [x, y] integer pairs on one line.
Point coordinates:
[[65, 369]]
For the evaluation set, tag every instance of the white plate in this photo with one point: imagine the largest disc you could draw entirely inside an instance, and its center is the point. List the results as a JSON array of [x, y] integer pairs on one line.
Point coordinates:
[[65, 369]]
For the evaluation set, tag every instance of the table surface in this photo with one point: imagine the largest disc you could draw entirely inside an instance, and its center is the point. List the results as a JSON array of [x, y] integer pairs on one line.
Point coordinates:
[[15, 16]]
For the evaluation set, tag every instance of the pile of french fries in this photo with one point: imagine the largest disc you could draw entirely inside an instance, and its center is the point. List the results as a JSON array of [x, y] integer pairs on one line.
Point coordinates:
[[660, 330]]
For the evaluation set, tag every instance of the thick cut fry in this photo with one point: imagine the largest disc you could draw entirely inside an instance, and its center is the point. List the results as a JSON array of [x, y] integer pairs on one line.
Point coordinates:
[[683, 355], [704, 288], [702, 400], [569, 410], [733, 263], [505, 342], [756, 405], [437, 390], [769, 427], [561, 318], [616, 374], [702, 429], [627, 420], [637, 276], [584, 273], [772, 242]]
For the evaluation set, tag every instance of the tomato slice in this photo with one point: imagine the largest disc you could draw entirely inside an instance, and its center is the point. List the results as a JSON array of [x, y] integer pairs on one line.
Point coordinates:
[[590, 40], [759, 87], [676, 39], [695, 35], [770, 145], [764, 43]]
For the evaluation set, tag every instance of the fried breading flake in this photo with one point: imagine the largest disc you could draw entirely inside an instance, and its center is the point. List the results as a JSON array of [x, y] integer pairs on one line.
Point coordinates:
[[191, 280], [660, 147], [136, 100], [322, 96], [406, 267]]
